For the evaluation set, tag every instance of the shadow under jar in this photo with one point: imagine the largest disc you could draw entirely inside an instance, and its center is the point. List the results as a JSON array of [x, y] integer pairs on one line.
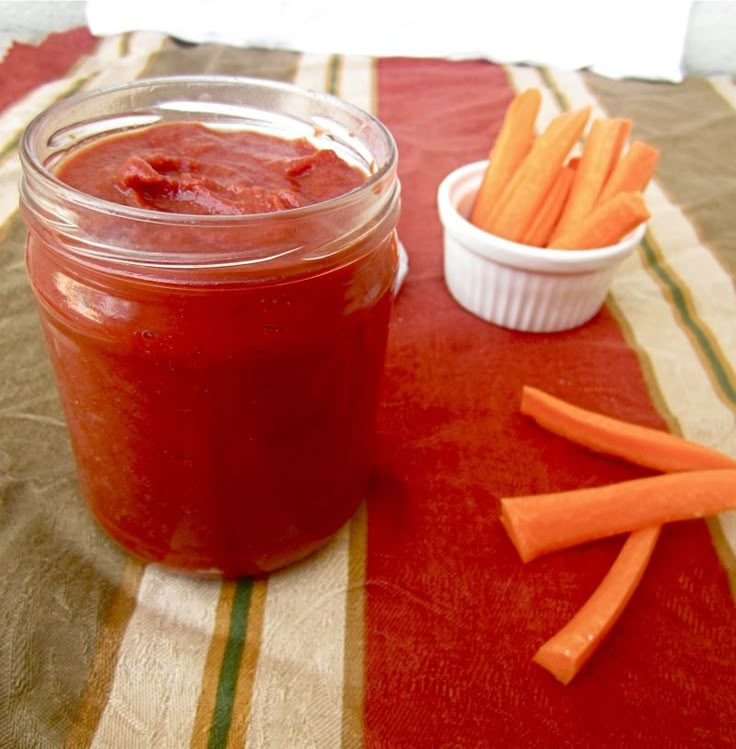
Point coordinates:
[[219, 374]]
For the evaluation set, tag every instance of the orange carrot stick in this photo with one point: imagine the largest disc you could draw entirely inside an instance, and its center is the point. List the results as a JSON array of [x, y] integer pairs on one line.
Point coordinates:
[[513, 143], [601, 151], [549, 213], [566, 652], [520, 202], [651, 448], [633, 171], [538, 524], [608, 224]]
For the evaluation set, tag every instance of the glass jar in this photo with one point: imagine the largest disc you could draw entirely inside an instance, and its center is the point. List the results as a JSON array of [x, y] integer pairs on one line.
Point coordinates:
[[219, 374]]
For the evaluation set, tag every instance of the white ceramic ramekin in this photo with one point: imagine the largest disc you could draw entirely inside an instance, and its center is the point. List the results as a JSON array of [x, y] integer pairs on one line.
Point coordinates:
[[514, 285]]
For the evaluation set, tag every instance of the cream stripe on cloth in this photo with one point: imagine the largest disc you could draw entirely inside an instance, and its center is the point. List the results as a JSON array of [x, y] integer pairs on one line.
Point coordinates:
[[167, 639], [298, 701], [726, 87], [685, 387], [297, 695]]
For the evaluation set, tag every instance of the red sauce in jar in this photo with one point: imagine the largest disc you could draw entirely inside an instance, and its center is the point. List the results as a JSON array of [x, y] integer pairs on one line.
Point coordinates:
[[185, 167], [219, 428]]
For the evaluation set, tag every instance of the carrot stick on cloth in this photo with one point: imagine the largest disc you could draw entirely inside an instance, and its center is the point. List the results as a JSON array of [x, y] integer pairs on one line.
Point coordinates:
[[633, 172], [608, 224], [513, 143], [538, 524], [520, 201], [566, 652], [601, 151], [549, 213], [651, 448]]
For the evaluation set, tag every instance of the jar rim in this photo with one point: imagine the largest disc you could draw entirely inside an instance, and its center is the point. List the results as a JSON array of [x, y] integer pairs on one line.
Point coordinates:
[[33, 165]]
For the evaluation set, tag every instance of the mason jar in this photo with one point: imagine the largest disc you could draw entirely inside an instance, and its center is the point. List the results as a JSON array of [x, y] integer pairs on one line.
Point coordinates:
[[219, 374]]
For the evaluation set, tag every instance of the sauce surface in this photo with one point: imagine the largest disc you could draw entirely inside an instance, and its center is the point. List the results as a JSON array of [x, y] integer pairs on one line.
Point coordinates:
[[185, 167], [218, 428]]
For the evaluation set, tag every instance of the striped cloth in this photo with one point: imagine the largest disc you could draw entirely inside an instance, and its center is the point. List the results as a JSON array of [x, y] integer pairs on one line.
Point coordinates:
[[415, 627]]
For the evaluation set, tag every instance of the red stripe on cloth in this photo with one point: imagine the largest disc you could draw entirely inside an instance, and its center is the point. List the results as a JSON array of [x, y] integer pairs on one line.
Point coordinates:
[[26, 66], [452, 615]]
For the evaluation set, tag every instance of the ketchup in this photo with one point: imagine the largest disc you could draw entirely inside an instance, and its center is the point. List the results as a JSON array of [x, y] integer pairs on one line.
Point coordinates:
[[222, 422]]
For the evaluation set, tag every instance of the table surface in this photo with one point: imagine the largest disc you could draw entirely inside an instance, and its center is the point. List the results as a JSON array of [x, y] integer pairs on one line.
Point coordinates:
[[416, 626]]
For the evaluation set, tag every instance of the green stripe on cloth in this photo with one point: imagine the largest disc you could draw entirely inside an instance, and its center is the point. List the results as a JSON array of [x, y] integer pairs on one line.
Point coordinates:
[[333, 74], [226, 687], [548, 79], [702, 339]]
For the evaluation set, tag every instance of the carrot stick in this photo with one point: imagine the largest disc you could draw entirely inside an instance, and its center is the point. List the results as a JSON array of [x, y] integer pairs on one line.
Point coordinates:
[[541, 523], [513, 143], [601, 151], [633, 171], [651, 448], [566, 652], [608, 223], [549, 213], [520, 202]]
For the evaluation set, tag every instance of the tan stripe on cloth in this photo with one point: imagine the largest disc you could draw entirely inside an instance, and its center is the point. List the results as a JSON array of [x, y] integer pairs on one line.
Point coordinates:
[[681, 374], [208, 690], [249, 663]]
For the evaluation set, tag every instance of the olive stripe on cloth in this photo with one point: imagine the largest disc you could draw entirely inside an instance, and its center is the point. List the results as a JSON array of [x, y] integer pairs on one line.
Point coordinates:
[[176, 58], [697, 178], [695, 286]]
